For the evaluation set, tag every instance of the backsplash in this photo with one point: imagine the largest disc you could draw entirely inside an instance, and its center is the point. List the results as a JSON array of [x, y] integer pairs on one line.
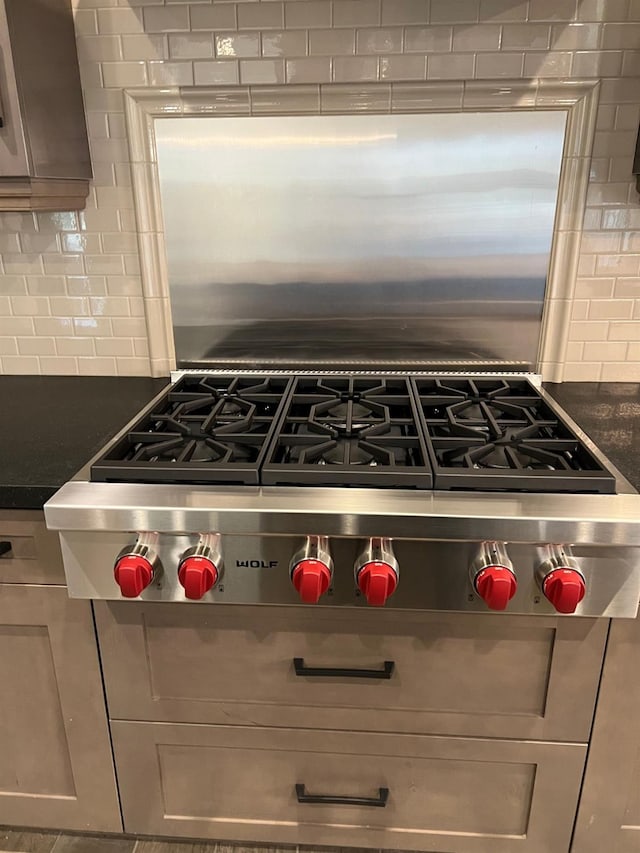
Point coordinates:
[[70, 294]]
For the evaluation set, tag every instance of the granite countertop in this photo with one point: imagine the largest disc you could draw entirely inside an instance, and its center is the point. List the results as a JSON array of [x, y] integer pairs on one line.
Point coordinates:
[[50, 426]]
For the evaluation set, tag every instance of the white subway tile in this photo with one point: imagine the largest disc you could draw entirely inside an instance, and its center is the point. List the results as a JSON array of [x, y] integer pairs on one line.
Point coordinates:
[[124, 285], [133, 366], [191, 45], [626, 371], [631, 63], [104, 264], [452, 66], [75, 346], [237, 44], [309, 13], [63, 264], [611, 309], [476, 38], [588, 331], [575, 36], [308, 70], [260, 16], [216, 72], [454, 11], [55, 326], [548, 64], [96, 366], [621, 36], [109, 306], [86, 285], [525, 36], [627, 288], [596, 63], [136, 306], [281, 43], [503, 10], [351, 69], [69, 306], [608, 265], [141, 347], [20, 365], [10, 242], [574, 351], [624, 331], [124, 74], [494, 65], [594, 288], [30, 306], [403, 67], [14, 285], [579, 310], [92, 326], [582, 372], [12, 326], [170, 73], [98, 48], [36, 346], [165, 19], [147, 46], [58, 366], [428, 39], [131, 264], [602, 10], [379, 40], [19, 221], [552, 10], [405, 11], [220, 16], [627, 116], [113, 346], [129, 327], [20, 264], [85, 22], [9, 346], [119, 21], [600, 241], [356, 13], [46, 285], [261, 71]]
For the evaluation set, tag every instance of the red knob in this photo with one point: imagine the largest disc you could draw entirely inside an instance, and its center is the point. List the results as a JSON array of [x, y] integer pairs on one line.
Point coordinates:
[[565, 589], [377, 581], [312, 579], [197, 575], [133, 574], [496, 586]]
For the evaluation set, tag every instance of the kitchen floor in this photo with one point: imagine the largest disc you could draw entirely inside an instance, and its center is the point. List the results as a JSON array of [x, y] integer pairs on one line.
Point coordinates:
[[15, 841]]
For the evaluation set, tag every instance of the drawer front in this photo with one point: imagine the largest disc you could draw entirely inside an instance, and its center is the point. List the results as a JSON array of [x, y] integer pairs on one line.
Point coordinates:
[[29, 553], [452, 673], [444, 794]]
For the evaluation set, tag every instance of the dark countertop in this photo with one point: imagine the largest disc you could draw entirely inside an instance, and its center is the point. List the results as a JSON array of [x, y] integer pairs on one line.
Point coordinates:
[[50, 426]]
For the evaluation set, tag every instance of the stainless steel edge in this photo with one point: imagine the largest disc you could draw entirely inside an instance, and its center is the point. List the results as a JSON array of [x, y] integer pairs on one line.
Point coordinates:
[[607, 520]]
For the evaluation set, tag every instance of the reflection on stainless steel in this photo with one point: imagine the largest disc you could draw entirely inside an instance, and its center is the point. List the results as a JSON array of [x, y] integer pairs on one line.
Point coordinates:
[[377, 237]]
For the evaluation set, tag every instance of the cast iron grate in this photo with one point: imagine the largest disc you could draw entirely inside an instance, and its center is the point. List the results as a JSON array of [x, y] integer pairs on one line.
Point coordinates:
[[485, 434], [349, 431], [206, 429]]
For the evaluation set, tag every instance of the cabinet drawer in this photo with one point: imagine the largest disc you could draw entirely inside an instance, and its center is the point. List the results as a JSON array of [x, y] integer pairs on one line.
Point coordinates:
[[462, 674], [444, 794], [29, 553]]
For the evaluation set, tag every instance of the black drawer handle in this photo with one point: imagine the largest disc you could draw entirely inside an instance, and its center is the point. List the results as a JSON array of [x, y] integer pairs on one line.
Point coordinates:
[[330, 800], [5, 547], [337, 672]]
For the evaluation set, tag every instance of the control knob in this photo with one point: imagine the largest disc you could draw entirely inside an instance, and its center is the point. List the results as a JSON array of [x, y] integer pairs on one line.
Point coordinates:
[[492, 575], [312, 569], [377, 572], [200, 567], [561, 580], [137, 565]]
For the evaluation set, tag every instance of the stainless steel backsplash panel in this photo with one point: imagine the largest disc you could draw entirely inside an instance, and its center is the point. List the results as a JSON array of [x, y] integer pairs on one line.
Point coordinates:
[[378, 239]]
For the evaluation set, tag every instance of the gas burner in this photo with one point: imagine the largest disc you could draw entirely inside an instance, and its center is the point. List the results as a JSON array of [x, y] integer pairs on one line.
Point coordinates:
[[351, 431], [500, 434], [210, 429]]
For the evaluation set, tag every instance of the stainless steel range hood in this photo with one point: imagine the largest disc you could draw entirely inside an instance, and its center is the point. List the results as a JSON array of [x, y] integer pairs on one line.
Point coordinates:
[[379, 240]]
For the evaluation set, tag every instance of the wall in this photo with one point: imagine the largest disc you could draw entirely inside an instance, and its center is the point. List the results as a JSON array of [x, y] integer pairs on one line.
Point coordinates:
[[70, 293]]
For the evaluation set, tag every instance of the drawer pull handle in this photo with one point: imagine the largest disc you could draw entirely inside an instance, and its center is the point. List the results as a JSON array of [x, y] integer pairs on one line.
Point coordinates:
[[330, 800], [5, 547], [337, 672]]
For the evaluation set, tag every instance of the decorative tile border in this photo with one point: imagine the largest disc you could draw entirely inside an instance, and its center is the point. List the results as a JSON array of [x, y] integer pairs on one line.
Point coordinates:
[[578, 98]]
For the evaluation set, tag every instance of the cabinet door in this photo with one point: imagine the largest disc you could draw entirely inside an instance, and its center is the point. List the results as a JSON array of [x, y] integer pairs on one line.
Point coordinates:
[[609, 815], [454, 674], [451, 795], [56, 768]]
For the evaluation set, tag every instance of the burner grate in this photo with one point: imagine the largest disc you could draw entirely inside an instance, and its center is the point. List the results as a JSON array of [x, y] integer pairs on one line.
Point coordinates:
[[349, 431], [206, 429], [485, 434]]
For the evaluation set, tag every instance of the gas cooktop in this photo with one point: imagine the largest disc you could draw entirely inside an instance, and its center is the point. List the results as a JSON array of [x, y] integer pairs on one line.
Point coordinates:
[[448, 433]]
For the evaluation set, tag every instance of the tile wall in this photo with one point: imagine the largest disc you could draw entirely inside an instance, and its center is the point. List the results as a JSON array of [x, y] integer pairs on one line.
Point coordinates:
[[70, 292]]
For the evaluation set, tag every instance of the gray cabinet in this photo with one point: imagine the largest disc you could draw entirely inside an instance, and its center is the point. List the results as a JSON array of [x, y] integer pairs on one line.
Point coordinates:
[[44, 152], [451, 795], [609, 815], [56, 768]]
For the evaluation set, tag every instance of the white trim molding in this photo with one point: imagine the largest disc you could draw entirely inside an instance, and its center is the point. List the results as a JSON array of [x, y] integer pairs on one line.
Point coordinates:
[[576, 97]]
